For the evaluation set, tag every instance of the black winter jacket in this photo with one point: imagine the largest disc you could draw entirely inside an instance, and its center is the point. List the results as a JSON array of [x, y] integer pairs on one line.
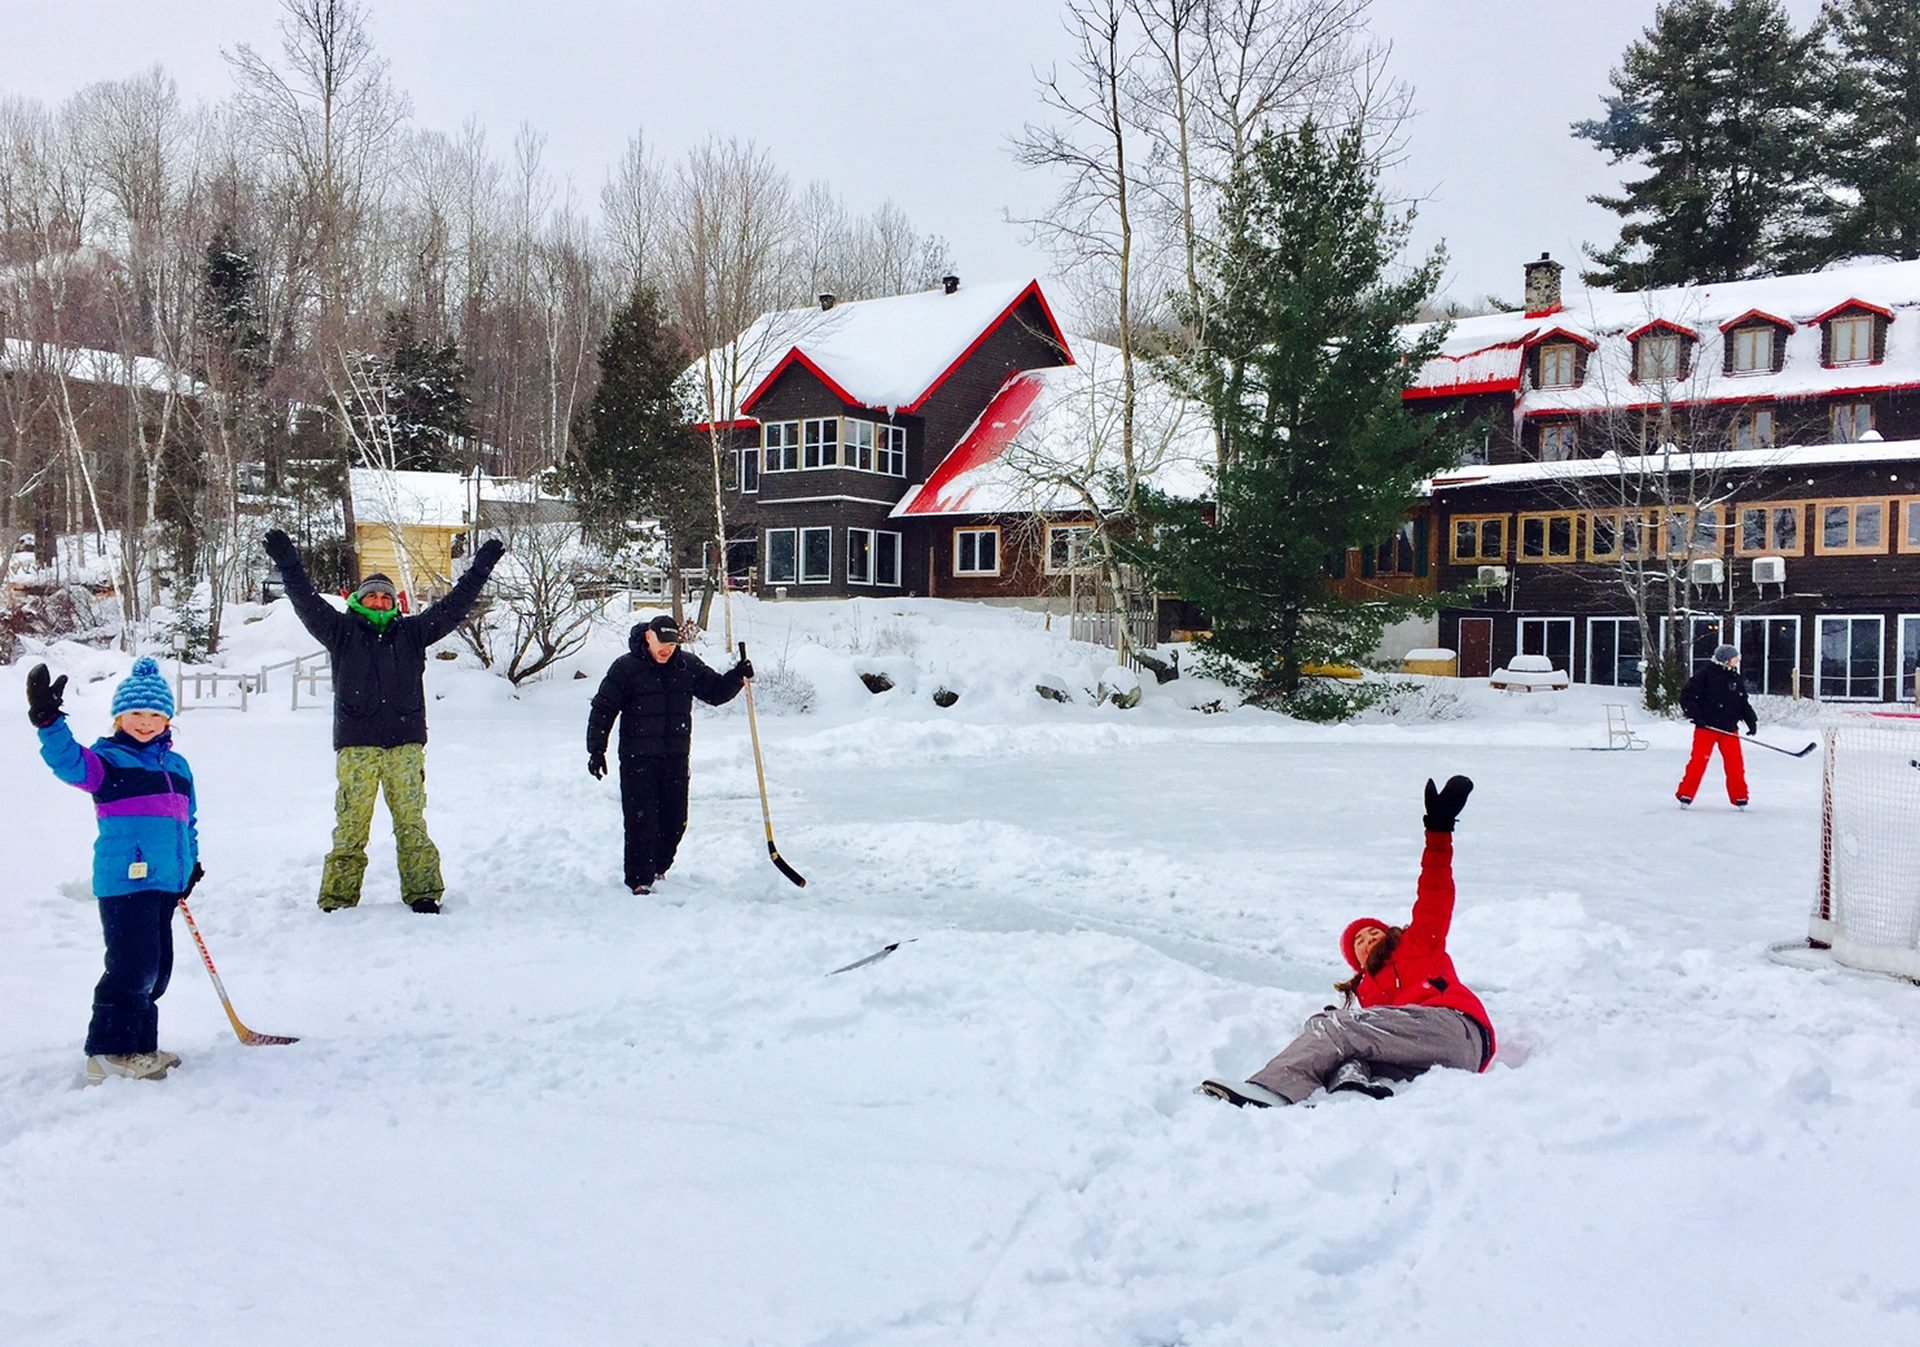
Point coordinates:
[[379, 693], [654, 701], [1716, 697]]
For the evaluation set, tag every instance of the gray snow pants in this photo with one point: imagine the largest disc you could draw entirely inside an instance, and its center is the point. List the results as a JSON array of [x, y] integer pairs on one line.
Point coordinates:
[[1397, 1042]]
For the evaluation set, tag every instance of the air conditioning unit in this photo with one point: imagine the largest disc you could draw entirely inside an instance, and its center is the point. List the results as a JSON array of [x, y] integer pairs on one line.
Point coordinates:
[[1707, 571], [1493, 575], [1769, 570]]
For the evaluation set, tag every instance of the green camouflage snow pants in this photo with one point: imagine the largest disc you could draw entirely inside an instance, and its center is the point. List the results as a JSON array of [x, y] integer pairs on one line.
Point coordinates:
[[364, 773]]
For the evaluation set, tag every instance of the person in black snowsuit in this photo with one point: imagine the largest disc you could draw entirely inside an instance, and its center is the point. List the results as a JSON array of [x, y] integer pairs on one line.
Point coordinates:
[[1715, 700], [651, 689]]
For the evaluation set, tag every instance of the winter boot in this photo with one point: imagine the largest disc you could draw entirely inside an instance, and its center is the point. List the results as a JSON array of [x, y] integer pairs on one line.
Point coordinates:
[[328, 903], [1684, 800], [172, 1059], [1357, 1076], [133, 1065], [1246, 1092], [427, 905]]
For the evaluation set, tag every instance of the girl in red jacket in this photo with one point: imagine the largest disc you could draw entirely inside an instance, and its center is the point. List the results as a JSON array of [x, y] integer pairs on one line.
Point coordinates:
[[1415, 1014]]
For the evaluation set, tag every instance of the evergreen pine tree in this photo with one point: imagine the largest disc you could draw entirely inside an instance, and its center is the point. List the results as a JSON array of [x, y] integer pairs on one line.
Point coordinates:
[[1873, 140], [1714, 100], [1302, 366], [635, 454], [419, 389]]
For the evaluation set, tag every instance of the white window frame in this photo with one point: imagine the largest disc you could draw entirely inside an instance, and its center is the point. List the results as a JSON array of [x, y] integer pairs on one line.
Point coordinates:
[[873, 574], [787, 458], [890, 451], [813, 452], [792, 577], [1619, 624], [1559, 365], [1819, 645], [1757, 679], [800, 556], [1859, 328], [1844, 421], [857, 439], [1085, 534], [1907, 647], [1752, 350], [976, 570]]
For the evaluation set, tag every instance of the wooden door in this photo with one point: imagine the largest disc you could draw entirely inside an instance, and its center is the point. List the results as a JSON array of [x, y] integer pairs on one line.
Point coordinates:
[[1476, 647]]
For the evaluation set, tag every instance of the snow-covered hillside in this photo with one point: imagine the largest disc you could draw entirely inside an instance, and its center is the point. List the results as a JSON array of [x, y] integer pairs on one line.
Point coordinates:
[[562, 1114]]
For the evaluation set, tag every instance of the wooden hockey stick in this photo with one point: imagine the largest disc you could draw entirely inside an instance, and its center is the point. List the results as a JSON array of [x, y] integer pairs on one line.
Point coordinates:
[[245, 1035], [760, 775], [1762, 743]]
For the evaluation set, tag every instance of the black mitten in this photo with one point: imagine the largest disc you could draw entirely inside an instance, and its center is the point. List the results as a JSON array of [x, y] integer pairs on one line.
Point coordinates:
[[280, 549], [597, 765], [490, 553], [44, 695], [1444, 804], [743, 670], [193, 879]]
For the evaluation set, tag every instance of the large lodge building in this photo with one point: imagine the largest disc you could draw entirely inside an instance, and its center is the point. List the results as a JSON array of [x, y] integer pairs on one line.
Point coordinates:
[[1731, 462]]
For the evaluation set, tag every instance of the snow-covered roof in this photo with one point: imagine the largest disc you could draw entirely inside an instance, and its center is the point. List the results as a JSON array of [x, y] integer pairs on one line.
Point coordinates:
[[1486, 354], [93, 366], [1050, 433], [1713, 460], [888, 354], [428, 499]]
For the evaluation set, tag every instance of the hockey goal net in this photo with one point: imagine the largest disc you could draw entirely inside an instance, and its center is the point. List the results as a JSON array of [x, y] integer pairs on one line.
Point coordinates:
[[1868, 908]]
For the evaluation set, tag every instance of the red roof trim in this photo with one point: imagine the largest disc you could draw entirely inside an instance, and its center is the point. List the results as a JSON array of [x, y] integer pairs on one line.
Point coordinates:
[[1851, 304], [799, 357], [1033, 288], [1761, 314], [1416, 391], [744, 423], [1563, 334], [1547, 312], [1662, 325]]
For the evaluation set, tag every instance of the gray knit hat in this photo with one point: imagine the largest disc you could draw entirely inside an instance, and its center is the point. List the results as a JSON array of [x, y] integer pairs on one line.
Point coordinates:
[[1725, 654], [376, 584]]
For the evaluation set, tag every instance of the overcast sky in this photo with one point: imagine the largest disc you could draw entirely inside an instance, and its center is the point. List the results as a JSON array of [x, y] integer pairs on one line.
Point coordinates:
[[909, 99]]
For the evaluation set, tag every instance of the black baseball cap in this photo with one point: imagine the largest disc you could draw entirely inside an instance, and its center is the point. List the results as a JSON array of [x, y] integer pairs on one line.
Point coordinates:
[[665, 629]]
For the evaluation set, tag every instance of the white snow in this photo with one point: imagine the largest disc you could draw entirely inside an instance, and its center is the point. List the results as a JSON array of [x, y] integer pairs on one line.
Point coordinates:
[[558, 1114]]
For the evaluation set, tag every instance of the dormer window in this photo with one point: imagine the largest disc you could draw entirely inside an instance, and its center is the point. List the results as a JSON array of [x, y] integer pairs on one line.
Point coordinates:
[[1853, 333], [1558, 365], [1850, 340], [1753, 350], [1657, 358]]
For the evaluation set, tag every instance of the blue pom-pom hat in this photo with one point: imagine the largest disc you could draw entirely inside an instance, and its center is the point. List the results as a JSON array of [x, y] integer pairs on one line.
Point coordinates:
[[145, 689]]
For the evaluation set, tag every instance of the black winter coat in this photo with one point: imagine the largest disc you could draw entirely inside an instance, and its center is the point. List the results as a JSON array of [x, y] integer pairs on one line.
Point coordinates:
[[379, 692], [654, 701], [1716, 697]]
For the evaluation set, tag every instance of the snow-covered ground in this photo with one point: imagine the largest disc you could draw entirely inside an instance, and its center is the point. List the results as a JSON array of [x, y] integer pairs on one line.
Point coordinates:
[[561, 1114]]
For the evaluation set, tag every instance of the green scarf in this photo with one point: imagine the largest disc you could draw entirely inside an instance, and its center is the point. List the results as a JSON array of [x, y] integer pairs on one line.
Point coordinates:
[[378, 616]]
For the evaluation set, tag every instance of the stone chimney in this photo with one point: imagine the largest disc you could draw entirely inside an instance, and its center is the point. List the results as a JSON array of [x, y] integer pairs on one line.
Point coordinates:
[[1543, 285], [949, 283], [827, 298]]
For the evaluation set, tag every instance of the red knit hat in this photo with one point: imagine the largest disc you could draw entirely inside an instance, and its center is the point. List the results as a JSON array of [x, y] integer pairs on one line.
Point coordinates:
[[1354, 927]]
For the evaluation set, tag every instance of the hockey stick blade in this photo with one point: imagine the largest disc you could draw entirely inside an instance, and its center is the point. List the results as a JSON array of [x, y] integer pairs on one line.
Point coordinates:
[[780, 863], [249, 1037], [875, 957]]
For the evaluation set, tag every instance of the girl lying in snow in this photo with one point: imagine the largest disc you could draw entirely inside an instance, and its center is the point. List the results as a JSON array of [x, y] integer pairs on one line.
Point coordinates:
[[1415, 1014]]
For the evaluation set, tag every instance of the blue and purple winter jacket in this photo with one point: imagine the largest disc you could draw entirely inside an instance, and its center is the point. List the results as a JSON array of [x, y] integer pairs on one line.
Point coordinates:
[[143, 794]]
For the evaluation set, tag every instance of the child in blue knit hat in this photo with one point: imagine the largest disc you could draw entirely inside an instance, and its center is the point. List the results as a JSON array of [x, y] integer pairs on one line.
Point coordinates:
[[146, 859]]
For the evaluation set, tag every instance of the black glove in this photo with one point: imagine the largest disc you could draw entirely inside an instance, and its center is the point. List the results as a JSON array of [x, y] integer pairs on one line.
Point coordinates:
[[44, 696], [490, 553], [280, 548], [1444, 804], [597, 764], [743, 670], [1753, 728], [198, 874]]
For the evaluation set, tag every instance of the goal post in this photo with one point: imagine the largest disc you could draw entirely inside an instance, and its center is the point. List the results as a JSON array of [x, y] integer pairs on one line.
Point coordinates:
[[1867, 911]]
